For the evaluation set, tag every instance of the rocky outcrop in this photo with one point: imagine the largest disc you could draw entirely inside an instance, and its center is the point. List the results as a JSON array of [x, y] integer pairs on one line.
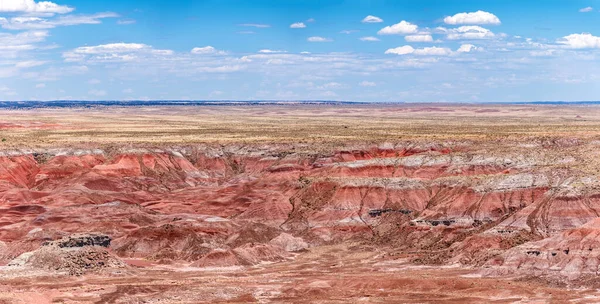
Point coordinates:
[[572, 254], [81, 240]]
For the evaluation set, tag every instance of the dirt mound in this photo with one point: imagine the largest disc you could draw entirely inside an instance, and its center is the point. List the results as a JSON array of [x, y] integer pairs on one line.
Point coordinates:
[[75, 255], [257, 253], [74, 261], [220, 258], [163, 243], [245, 255], [253, 233], [289, 243]]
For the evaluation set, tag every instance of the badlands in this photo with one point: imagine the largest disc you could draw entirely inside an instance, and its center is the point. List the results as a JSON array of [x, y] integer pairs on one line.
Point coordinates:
[[296, 203]]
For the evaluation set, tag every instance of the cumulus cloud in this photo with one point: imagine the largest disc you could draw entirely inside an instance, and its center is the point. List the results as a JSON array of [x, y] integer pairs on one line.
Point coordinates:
[[428, 51], [478, 17], [207, 50], [401, 50], [372, 19], [348, 32], [433, 51], [32, 22], [365, 83], [318, 39], [113, 52], [468, 32], [369, 38], [402, 28], [586, 9], [580, 41], [419, 38], [297, 25], [467, 48], [30, 6]]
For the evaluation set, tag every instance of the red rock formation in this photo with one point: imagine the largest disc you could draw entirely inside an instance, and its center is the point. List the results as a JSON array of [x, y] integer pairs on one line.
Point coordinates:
[[240, 205]]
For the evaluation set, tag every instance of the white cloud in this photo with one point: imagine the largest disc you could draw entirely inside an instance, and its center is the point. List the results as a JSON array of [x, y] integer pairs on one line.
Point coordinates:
[[402, 28], [207, 50], [586, 9], [348, 32], [467, 48], [478, 17], [29, 64], [257, 25], [372, 19], [113, 52], [32, 23], [310, 20], [401, 50], [469, 32], [330, 85], [419, 38], [40, 85], [580, 41], [4, 90], [318, 39], [111, 48], [365, 83], [278, 61], [369, 38], [428, 51], [12, 45], [94, 81], [30, 6], [433, 51], [128, 91], [267, 51], [297, 25], [544, 53]]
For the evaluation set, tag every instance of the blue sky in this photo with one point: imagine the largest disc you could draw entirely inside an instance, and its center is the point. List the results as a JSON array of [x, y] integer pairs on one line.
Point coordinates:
[[415, 51]]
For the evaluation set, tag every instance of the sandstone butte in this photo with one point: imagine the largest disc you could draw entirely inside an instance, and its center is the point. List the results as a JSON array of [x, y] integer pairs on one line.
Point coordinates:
[[527, 213]]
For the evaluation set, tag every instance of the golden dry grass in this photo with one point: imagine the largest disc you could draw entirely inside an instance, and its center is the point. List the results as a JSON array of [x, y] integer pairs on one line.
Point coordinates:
[[291, 123]]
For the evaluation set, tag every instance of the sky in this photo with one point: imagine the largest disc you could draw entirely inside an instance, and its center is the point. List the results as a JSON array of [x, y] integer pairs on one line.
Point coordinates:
[[351, 50]]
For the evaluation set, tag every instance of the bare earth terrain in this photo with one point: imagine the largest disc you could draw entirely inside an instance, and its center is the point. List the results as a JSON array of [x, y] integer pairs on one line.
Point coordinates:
[[419, 203]]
